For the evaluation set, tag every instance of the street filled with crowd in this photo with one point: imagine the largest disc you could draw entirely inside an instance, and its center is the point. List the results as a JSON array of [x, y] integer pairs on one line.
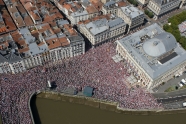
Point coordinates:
[[95, 68]]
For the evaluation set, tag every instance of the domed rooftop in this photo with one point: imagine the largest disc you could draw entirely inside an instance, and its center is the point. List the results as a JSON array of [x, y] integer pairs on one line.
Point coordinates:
[[160, 44]]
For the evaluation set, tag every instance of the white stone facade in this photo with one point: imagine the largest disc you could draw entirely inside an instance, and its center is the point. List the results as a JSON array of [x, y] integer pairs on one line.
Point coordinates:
[[162, 7], [145, 80], [132, 16], [151, 71], [81, 14], [13, 68], [111, 8], [143, 2], [107, 33], [54, 55]]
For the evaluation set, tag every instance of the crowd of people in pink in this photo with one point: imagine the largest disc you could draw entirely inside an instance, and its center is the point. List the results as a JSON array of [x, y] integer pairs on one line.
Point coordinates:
[[95, 68]]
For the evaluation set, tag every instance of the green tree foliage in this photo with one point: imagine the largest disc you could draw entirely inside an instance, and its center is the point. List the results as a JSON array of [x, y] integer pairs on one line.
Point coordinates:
[[173, 27], [149, 14], [146, 12], [134, 2]]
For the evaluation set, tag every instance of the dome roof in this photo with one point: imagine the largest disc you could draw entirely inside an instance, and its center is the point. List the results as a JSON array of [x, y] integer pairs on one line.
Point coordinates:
[[160, 44]]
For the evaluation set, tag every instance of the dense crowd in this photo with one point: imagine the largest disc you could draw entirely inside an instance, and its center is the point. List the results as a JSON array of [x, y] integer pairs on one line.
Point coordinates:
[[96, 68]]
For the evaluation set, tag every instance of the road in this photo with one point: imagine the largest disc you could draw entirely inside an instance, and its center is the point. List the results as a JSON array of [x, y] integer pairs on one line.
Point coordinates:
[[170, 83], [164, 19]]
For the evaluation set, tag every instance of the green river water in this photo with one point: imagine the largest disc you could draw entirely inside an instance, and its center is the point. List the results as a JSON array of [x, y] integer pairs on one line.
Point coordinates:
[[48, 111]]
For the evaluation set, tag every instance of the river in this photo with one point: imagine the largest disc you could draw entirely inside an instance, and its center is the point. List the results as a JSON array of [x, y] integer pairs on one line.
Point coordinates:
[[48, 111]]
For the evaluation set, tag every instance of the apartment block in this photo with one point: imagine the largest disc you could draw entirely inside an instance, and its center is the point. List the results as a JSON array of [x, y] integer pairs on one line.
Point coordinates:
[[132, 16], [103, 29]]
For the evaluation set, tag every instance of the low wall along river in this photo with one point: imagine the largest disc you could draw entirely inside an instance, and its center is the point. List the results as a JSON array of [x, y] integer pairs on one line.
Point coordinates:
[[58, 108]]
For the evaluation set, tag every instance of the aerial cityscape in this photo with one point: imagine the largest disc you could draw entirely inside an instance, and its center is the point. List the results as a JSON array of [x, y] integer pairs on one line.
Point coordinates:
[[128, 52]]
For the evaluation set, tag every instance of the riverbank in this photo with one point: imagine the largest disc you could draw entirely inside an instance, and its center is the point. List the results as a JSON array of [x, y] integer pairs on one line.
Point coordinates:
[[105, 105], [51, 111]]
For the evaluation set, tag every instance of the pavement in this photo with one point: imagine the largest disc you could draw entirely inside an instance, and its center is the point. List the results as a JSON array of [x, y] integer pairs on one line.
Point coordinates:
[[167, 97], [170, 83], [164, 19]]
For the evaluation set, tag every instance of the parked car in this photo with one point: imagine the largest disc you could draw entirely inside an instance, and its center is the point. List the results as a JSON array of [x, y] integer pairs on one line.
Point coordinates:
[[184, 104], [181, 85], [183, 81]]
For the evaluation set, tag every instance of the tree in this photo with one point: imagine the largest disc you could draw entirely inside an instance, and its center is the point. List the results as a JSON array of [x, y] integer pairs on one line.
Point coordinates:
[[151, 15], [166, 27], [173, 28], [135, 3], [146, 12]]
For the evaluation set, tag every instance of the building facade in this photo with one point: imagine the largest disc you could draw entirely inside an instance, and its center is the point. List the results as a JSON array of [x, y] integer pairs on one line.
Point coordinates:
[[103, 30], [77, 11], [36, 45], [132, 16], [143, 3], [183, 3], [110, 7], [161, 7], [10, 59], [152, 55]]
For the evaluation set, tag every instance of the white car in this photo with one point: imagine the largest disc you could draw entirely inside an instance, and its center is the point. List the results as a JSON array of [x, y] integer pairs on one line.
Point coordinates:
[[181, 85], [184, 104], [183, 81]]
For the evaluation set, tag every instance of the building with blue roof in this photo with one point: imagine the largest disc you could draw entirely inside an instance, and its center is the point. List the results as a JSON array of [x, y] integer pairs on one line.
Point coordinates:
[[88, 91]]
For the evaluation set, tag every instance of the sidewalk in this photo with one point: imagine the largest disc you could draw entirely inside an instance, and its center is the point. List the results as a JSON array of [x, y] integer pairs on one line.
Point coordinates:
[[172, 82]]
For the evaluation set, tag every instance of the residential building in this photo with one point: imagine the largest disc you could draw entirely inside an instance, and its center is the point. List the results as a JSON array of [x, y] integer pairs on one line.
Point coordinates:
[[161, 7], [97, 4], [32, 10], [48, 11], [77, 43], [132, 16], [10, 60], [143, 3], [105, 1], [183, 3], [76, 10], [6, 22], [18, 13], [3, 28], [48, 42], [152, 55], [103, 29], [41, 11], [111, 7]]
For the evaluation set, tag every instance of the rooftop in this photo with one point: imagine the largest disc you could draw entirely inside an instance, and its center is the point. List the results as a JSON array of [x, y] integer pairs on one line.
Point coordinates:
[[102, 25], [16, 16], [163, 2], [131, 11], [32, 43], [10, 26], [8, 51], [155, 50]]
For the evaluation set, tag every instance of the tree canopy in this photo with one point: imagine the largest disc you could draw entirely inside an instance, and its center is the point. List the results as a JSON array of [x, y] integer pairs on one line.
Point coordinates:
[[149, 14], [173, 27], [134, 2]]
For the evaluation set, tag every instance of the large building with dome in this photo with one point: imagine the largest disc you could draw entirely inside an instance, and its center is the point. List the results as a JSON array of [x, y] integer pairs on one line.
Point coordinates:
[[152, 55]]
